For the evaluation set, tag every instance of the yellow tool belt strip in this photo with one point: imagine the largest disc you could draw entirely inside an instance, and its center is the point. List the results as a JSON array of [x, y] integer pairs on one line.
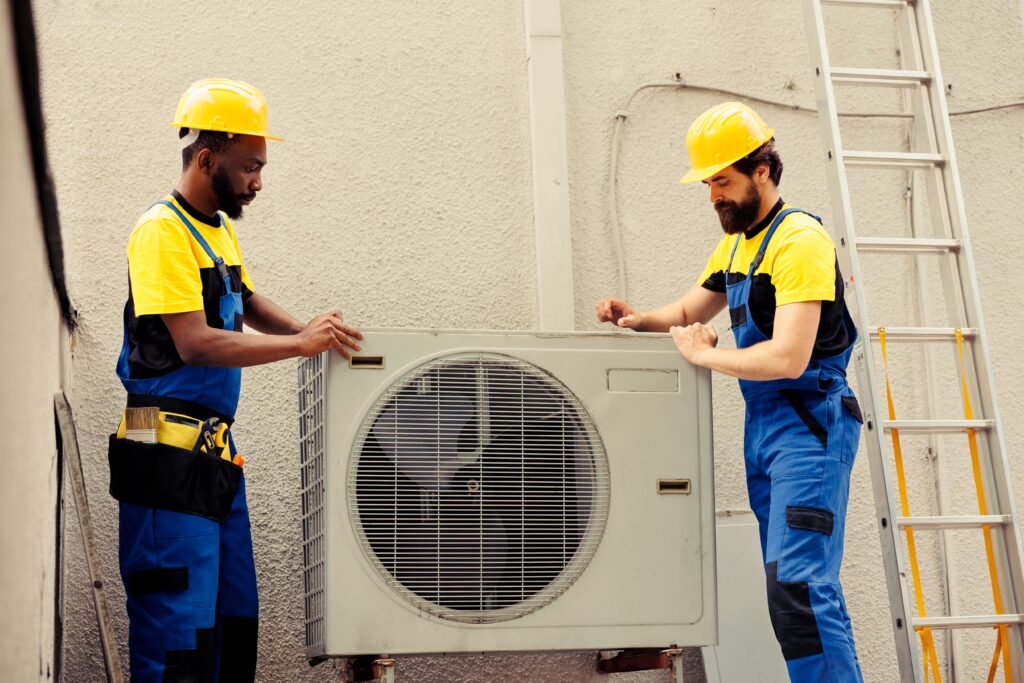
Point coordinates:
[[183, 431]]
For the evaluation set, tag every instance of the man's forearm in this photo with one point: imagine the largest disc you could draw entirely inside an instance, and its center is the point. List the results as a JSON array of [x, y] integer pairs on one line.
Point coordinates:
[[660, 319], [698, 305], [223, 348], [265, 316], [763, 361]]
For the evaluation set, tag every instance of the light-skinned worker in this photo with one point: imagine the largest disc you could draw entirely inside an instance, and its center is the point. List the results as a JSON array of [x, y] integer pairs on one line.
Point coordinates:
[[186, 553], [776, 271]]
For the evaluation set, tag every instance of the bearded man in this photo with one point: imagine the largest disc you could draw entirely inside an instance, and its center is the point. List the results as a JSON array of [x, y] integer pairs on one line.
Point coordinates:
[[776, 270], [186, 554]]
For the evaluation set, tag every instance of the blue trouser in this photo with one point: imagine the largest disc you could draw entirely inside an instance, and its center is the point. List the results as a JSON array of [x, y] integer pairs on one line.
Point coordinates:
[[191, 589], [799, 447]]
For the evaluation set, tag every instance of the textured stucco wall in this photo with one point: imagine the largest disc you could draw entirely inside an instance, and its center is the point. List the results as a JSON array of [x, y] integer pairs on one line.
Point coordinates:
[[30, 373], [403, 196]]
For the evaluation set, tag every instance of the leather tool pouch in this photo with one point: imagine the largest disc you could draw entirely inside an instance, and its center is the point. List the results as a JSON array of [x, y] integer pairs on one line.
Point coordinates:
[[161, 476]]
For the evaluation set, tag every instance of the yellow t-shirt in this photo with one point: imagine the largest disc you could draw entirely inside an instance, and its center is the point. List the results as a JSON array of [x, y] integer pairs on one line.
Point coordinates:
[[170, 272], [166, 264], [799, 265]]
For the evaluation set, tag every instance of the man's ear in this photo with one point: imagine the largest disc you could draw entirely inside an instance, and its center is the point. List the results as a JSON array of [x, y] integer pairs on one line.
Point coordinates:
[[763, 173], [204, 160]]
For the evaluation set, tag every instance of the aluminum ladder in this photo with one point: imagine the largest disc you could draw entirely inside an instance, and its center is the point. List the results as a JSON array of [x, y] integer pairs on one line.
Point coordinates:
[[931, 154]]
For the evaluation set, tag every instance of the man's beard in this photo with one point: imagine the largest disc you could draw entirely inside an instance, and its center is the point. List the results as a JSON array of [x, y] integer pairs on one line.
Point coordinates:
[[227, 200], [737, 217]]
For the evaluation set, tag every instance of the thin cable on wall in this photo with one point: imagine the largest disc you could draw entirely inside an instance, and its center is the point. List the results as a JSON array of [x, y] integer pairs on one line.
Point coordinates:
[[620, 117]]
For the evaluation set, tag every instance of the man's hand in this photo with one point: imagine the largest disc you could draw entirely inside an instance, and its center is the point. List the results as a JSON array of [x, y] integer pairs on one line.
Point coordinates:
[[617, 312], [328, 331], [693, 340]]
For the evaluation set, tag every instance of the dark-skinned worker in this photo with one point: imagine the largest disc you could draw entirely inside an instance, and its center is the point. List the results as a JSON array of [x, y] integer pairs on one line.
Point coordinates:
[[776, 270], [185, 547]]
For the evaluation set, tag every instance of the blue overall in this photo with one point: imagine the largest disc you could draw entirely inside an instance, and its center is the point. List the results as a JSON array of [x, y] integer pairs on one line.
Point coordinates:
[[800, 440], [190, 582]]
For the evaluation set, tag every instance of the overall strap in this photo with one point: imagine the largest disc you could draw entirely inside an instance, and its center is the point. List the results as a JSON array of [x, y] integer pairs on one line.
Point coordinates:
[[732, 255], [217, 260]]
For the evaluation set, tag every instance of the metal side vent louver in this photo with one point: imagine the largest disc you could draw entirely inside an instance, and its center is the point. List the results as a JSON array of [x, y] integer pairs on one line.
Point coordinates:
[[478, 487], [312, 379]]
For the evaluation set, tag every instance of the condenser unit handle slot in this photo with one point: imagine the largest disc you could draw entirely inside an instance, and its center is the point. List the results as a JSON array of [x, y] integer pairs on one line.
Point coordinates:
[[366, 362], [674, 486], [643, 380]]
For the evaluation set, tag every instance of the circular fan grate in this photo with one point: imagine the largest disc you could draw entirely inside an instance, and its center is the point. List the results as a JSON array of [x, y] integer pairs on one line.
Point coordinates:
[[479, 487]]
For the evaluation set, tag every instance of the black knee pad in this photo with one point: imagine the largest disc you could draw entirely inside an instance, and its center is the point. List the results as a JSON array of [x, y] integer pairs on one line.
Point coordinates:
[[789, 606], [191, 666], [157, 580], [238, 637]]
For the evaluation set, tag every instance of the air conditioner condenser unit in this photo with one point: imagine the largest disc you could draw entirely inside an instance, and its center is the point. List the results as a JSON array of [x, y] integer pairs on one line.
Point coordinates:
[[506, 491]]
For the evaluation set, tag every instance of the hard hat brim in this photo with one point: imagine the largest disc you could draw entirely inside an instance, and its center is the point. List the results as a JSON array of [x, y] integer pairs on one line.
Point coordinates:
[[697, 174], [236, 132]]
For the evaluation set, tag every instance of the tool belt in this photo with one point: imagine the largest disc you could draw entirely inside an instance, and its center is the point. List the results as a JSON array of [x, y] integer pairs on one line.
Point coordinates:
[[186, 466]]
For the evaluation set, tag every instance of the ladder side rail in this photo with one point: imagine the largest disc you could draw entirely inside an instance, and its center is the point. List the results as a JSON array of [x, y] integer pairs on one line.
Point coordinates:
[[981, 385], [842, 219]]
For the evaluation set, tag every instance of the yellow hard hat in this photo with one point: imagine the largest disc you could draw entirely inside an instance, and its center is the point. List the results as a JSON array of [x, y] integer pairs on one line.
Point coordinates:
[[223, 105], [721, 136]]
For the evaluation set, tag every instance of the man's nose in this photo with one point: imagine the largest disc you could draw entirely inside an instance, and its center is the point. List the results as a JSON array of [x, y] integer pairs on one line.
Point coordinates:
[[257, 183]]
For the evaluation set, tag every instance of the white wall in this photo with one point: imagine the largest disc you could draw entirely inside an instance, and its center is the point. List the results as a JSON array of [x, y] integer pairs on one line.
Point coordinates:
[[30, 373], [403, 196]]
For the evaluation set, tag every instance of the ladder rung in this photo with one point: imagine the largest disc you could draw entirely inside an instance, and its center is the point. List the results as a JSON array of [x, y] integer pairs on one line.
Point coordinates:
[[884, 77], [887, 4], [893, 159], [937, 426], [986, 621], [922, 334], [908, 244], [953, 521]]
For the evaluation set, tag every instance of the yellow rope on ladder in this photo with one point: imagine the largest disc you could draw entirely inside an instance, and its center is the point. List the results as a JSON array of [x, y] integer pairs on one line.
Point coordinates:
[[927, 639], [995, 661], [972, 439]]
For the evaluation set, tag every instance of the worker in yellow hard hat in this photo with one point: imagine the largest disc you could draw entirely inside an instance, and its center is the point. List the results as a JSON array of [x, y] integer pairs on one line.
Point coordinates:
[[776, 270], [185, 546]]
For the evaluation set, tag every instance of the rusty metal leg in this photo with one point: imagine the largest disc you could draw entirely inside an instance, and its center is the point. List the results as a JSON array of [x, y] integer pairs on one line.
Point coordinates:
[[371, 669], [384, 670], [675, 657]]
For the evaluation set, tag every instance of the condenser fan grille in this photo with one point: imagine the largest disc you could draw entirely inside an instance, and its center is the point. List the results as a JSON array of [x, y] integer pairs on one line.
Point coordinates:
[[479, 487]]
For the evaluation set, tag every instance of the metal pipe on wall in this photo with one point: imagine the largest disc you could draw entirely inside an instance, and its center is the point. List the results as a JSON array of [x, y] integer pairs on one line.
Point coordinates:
[[550, 164]]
